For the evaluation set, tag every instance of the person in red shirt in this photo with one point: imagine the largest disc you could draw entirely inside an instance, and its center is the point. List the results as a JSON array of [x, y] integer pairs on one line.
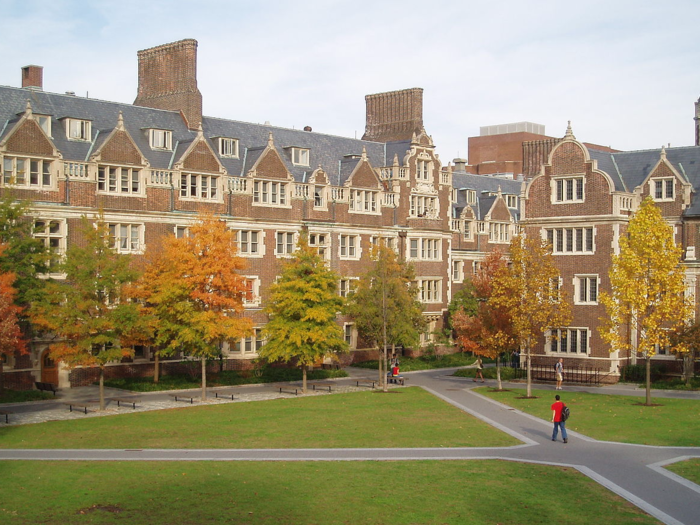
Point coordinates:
[[557, 407]]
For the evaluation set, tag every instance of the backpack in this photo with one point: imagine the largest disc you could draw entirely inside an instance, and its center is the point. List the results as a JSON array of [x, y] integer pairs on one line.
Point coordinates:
[[565, 413]]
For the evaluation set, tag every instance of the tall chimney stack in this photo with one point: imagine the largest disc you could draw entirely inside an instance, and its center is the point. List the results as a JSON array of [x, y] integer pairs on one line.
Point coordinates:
[[395, 115], [33, 77], [168, 80]]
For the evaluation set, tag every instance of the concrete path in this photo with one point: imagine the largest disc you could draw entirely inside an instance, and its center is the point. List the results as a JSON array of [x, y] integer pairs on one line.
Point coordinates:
[[634, 472]]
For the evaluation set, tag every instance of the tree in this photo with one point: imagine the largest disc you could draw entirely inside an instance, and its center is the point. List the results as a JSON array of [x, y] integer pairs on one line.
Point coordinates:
[[193, 292], [489, 330], [647, 290], [464, 300], [529, 291], [686, 336], [384, 305], [302, 306], [88, 313], [11, 339]]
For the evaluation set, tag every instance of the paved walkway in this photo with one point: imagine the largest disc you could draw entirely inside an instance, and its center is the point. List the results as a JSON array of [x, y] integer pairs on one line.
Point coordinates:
[[635, 472]]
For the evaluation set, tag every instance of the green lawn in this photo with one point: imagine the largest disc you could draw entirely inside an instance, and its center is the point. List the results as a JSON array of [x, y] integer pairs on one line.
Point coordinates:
[[406, 417], [328, 493], [689, 469], [675, 422]]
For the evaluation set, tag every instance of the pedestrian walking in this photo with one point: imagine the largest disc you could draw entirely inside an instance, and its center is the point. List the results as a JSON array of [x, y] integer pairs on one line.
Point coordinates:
[[559, 371], [557, 419], [479, 369]]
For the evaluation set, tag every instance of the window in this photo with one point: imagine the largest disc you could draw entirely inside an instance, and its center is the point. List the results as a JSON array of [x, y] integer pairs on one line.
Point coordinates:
[[458, 271], [200, 187], [430, 290], [586, 289], [467, 234], [319, 242], [228, 147], [349, 333], [423, 170], [423, 206], [161, 139], [569, 340], [118, 180], [285, 243], [251, 296], [26, 172], [78, 129], [248, 242], [499, 232], [571, 240], [44, 122], [348, 244], [252, 344], [126, 238], [569, 190], [53, 234], [267, 192], [663, 189], [511, 201], [346, 287], [182, 231], [363, 201], [319, 201], [389, 242], [425, 249], [300, 157]]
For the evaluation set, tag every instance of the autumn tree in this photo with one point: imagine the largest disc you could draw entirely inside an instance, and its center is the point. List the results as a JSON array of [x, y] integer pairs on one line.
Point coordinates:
[[464, 300], [384, 305], [193, 293], [303, 305], [529, 291], [11, 340], [647, 290], [487, 331], [87, 313]]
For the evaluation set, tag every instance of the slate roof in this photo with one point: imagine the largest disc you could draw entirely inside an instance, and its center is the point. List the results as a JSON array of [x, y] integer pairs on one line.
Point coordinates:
[[325, 150], [484, 186]]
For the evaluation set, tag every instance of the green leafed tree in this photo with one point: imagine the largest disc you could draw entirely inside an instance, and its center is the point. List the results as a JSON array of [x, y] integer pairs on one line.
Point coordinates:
[[88, 313], [385, 306], [647, 300], [193, 293], [529, 291], [303, 305]]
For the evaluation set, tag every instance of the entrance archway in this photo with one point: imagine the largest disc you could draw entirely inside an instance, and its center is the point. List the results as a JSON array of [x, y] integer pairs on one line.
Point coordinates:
[[49, 369]]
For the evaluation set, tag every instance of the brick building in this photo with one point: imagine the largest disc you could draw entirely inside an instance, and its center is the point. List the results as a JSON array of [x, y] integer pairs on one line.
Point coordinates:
[[153, 165]]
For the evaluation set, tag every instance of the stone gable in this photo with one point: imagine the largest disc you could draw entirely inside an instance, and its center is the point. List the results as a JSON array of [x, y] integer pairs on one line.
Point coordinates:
[[120, 149], [201, 158]]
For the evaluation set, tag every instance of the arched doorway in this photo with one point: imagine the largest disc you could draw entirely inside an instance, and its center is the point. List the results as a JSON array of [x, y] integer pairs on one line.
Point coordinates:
[[49, 369]]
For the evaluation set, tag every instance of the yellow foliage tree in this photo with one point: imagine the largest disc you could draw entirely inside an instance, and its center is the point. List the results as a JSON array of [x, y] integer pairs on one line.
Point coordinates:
[[647, 300]]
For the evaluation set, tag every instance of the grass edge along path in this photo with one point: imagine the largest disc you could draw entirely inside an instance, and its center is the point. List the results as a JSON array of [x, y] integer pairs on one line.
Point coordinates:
[[406, 417], [688, 469], [623, 419], [477, 492]]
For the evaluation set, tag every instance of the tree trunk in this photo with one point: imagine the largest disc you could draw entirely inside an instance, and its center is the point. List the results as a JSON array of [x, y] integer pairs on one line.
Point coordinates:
[[498, 372], [156, 368], [303, 379], [102, 387], [528, 361], [648, 389], [204, 378], [2, 377]]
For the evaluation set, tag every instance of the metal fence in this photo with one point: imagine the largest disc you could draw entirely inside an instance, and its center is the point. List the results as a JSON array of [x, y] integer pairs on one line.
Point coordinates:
[[572, 374]]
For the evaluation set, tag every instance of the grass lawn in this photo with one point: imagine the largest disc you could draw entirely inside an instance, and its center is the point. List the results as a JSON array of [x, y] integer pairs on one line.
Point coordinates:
[[689, 469], [675, 422], [407, 417], [426, 492]]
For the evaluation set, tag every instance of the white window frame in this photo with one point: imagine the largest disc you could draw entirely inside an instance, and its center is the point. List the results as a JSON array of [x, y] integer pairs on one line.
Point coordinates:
[[270, 193], [571, 340], [349, 246], [254, 300], [160, 139], [249, 243], [423, 169], [566, 190], [181, 232], [228, 147], [430, 289], [287, 240], [423, 206], [572, 240], [346, 286], [499, 232], [44, 122], [457, 271], [250, 345], [350, 335], [55, 239], [20, 172], [119, 179], [511, 201], [364, 201], [300, 156], [78, 129], [663, 189], [200, 187], [586, 289], [319, 241], [126, 237]]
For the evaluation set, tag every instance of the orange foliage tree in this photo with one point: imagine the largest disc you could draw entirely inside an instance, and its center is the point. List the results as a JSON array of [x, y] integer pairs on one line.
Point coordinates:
[[11, 340], [489, 332], [193, 293]]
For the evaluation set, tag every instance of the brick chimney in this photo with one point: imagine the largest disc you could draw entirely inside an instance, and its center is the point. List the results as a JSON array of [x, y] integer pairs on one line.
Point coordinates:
[[168, 80], [33, 77], [394, 115]]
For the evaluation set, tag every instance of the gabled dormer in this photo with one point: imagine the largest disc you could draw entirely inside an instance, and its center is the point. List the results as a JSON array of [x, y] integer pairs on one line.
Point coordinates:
[[667, 186], [366, 188], [201, 173]]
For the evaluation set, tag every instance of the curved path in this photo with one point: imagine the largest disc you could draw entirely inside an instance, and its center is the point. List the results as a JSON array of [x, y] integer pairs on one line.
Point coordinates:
[[634, 472]]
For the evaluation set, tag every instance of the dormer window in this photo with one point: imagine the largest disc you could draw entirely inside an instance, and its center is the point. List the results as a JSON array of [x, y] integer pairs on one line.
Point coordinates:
[[161, 139], [511, 201], [663, 189], [44, 122], [228, 147], [78, 129], [300, 157]]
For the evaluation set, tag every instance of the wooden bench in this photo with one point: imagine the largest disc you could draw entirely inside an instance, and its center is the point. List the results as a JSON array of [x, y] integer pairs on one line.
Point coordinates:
[[83, 406], [289, 389], [396, 379], [322, 385], [126, 401], [6, 413], [223, 393], [366, 382], [183, 396], [46, 387]]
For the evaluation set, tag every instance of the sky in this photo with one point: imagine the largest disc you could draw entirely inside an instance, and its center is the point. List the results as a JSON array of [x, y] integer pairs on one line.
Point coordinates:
[[625, 73]]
